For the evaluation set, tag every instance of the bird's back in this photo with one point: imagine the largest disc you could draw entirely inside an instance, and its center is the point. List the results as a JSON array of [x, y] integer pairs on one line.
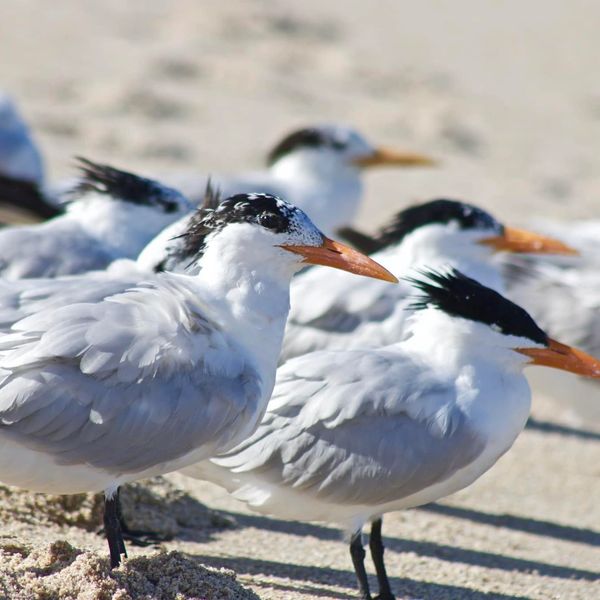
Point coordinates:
[[57, 247]]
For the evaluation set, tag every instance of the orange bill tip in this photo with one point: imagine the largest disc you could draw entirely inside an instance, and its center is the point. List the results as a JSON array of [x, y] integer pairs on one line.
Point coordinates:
[[566, 358], [390, 157]]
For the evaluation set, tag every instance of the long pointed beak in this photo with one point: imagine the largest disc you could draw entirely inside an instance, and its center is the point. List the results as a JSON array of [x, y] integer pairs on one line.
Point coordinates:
[[339, 256], [561, 356], [522, 241], [388, 156]]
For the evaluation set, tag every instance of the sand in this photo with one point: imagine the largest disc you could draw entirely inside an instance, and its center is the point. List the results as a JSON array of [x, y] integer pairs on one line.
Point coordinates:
[[61, 571], [506, 95]]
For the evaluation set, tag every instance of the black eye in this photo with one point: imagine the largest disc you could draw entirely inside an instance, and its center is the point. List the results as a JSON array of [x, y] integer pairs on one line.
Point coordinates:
[[271, 221], [339, 145]]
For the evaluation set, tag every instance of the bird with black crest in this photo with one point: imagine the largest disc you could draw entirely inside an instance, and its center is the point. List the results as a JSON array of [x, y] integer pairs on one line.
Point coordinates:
[[350, 435], [111, 214], [333, 311], [318, 168]]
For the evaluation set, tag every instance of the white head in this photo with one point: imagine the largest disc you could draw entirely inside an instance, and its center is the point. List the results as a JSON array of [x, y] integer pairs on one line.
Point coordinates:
[[19, 155], [464, 236], [458, 320], [323, 164]]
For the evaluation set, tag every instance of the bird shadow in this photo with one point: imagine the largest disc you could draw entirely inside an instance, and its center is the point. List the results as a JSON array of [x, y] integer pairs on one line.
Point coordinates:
[[489, 560], [328, 576], [525, 524], [549, 427], [439, 551]]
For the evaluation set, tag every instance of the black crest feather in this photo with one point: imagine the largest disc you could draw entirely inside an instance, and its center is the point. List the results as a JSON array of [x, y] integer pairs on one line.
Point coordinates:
[[125, 186], [310, 137], [441, 210], [460, 296], [212, 196]]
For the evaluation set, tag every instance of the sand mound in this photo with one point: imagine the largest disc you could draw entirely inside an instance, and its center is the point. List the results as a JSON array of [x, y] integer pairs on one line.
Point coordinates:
[[155, 505], [59, 571]]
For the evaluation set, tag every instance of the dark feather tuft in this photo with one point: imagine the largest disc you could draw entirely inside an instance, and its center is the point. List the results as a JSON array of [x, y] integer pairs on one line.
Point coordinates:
[[359, 240], [125, 186], [212, 196], [460, 296], [310, 137], [440, 211]]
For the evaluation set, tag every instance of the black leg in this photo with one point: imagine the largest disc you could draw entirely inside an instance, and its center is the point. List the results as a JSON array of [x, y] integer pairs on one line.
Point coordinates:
[[377, 549], [357, 552], [134, 536], [112, 528]]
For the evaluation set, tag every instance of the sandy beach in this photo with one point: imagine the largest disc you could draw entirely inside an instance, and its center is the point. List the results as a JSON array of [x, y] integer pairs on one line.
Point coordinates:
[[505, 95]]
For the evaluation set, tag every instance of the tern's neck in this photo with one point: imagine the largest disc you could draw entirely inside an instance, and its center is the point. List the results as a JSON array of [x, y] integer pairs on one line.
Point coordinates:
[[253, 296], [123, 227], [428, 247], [325, 187], [449, 343], [486, 375]]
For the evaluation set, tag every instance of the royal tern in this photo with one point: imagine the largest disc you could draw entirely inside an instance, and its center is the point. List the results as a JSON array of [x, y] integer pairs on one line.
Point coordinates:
[[115, 215], [100, 393], [316, 168], [21, 169], [350, 435], [332, 311]]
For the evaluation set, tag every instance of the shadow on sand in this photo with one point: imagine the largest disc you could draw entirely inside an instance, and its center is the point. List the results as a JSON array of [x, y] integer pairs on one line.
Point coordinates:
[[327, 576], [549, 427], [544, 528]]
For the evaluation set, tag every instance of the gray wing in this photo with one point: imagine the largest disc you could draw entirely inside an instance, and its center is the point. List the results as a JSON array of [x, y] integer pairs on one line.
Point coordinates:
[[25, 297], [356, 428], [138, 379], [50, 249], [333, 310]]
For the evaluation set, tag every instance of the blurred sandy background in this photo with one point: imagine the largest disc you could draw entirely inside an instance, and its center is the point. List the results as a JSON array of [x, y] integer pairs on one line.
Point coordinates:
[[505, 94]]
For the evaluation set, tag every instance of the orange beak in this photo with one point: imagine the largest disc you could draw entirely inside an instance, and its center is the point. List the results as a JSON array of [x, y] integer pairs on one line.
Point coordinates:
[[522, 241], [339, 256], [561, 356], [387, 156]]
